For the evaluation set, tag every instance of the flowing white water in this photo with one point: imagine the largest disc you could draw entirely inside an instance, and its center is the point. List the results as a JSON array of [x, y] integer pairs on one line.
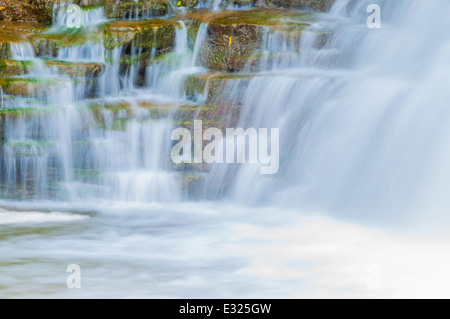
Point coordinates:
[[67, 16], [363, 123], [362, 143]]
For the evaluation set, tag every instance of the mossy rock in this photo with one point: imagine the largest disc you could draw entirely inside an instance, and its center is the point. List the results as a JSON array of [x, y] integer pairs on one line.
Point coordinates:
[[187, 3], [313, 5], [9, 116], [124, 110], [48, 44], [220, 116], [224, 4], [190, 183], [11, 68], [18, 112], [27, 87], [27, 11], [146, 34], [116, 109], [235, 36], [6, 38], [23, 28], [29, 148], [18, 86], [136, 9], [216, 87]]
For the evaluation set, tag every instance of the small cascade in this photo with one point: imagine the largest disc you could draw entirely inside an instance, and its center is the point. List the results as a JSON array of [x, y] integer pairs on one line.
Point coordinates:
[[167, 77], [87, 158], [88, 51], [68, 16], [295, 79], [22, 51]]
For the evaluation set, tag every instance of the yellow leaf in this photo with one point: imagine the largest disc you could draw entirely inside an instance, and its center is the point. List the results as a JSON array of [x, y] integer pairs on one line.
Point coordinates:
[[231, 38], [179, 4], [2, 8]]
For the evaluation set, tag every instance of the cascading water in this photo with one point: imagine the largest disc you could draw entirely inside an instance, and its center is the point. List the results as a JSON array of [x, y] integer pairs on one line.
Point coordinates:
[[87, 172], [350, 112]]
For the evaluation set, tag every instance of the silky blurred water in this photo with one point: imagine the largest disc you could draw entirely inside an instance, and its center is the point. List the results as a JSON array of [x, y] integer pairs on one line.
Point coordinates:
[[204, 250], [358, 209]]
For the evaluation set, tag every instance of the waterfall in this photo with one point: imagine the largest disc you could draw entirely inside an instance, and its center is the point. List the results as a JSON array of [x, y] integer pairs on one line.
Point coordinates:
[[348, 104], [166, 77], [22, 51], [87, 18], [88, 51], [86, 148]]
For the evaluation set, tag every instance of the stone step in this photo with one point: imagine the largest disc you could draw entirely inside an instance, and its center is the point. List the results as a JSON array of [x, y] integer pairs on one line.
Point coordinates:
[[217, 88], [48, 44], [143, 34], [26, 148], [40, 88], [12, 68], [6, 39], [9, 68], [77, 69], [114, 115], [139, 9], [234, 38]]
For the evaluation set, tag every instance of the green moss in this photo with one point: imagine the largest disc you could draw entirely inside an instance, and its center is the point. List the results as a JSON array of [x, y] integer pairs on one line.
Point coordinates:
[[27, 11], [25, 86], [85, 174], [3, 67], [77, 69]]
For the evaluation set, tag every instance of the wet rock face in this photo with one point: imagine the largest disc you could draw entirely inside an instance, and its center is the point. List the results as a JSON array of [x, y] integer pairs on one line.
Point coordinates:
[[146, 34], [136, 42], [187, 3], [78, 69], [41, 10], [235, 37], [26, 10], [230, 46], [6, 39], [136, 9], [5, 52], [315, 5]]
